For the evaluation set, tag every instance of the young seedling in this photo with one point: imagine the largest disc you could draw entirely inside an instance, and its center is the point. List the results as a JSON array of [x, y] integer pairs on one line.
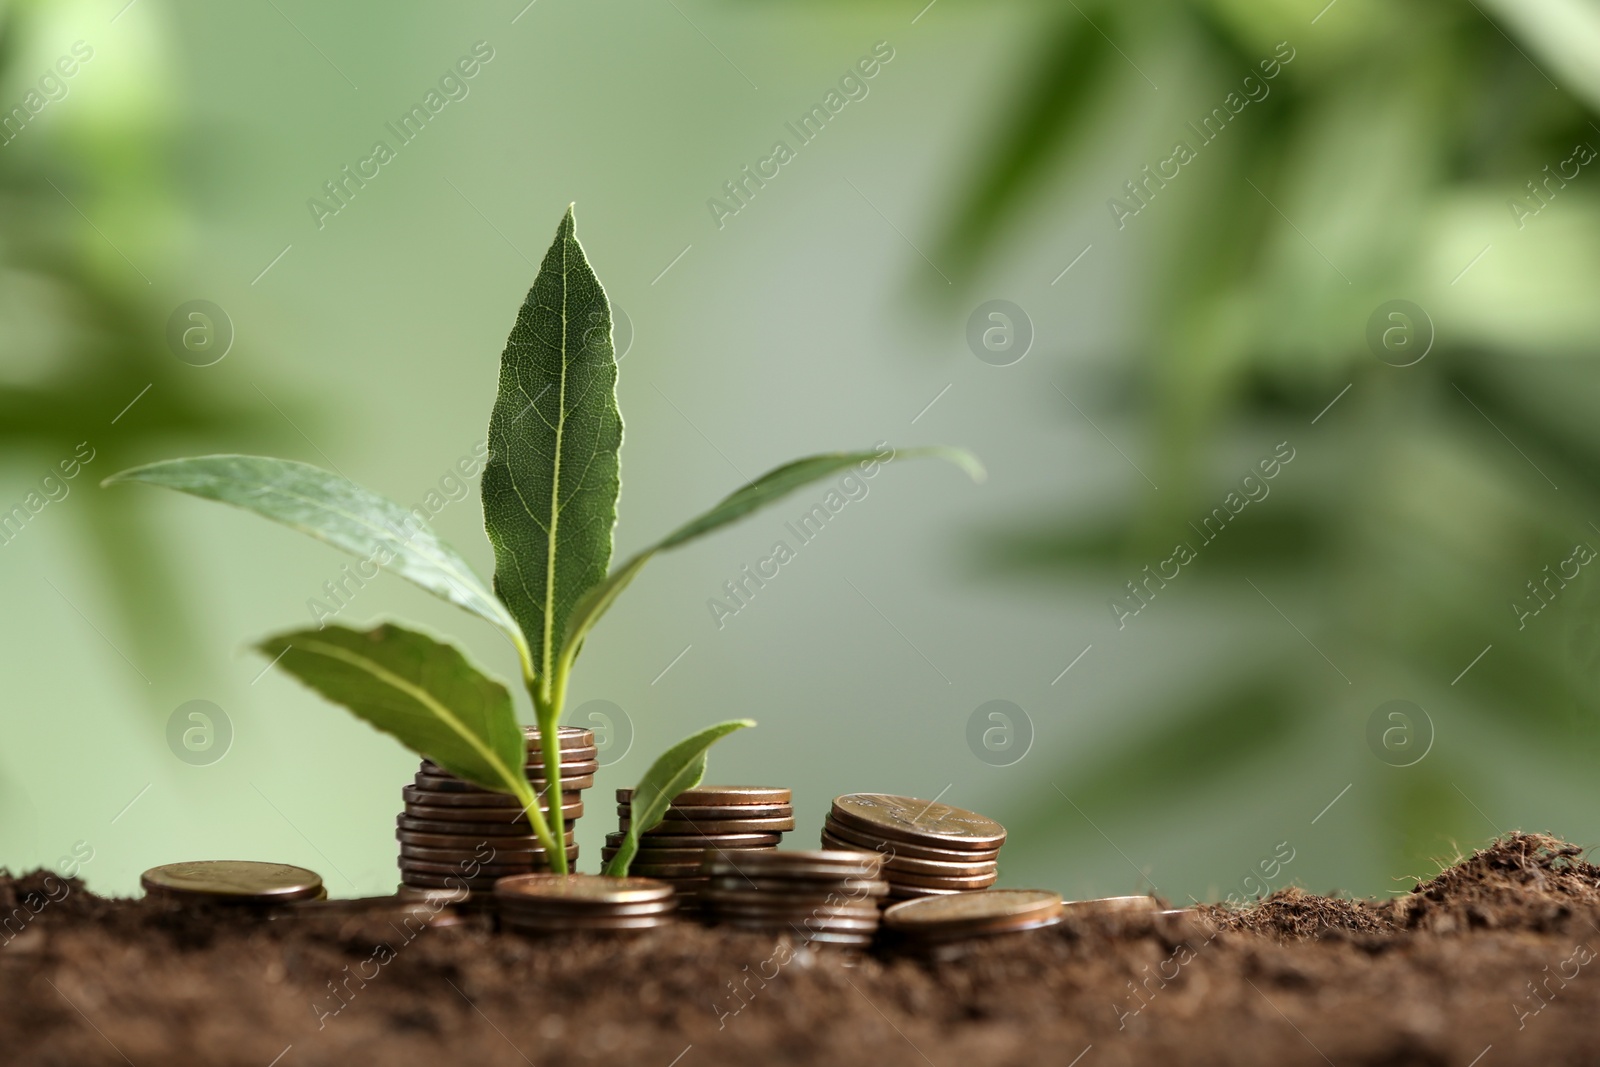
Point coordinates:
[[549, 491]]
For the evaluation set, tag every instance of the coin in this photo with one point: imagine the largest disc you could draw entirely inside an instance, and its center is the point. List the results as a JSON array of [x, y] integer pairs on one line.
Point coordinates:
[[798, 922], [731, 826], [419, 880], [1112, 905], [928, 881], [837, 939], [975, 912], [581, 909], [717, 812], [936, 943], [564, 924], [759, 907], [651, 840], [532, 771], [780, 889], [864, 840], [461, 855], [232, 881], [911, 892], [909, 865], [590, 887], [442, 798], [569, 756], [674, 855], [484, 870], [566, 736], [483, 815], [468, 829], [721, 794], [909, 819], [444, 783], [661, 870], [796, 863], [514, 844]]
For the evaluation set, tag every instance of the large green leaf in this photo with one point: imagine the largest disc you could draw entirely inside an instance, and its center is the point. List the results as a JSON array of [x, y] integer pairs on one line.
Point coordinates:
[[423, 692], [771, 486], [680, 767], [550, 488], [334, 509]]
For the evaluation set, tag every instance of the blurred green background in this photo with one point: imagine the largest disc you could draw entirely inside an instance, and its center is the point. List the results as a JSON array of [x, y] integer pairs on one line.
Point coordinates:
[[1234, 306]]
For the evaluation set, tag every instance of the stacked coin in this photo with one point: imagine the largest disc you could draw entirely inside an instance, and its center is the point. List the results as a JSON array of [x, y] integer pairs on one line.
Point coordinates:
[[931, 925], [455, 834], [563, 903], [232, 882], [828, 897], [929, 849], [732, 818]]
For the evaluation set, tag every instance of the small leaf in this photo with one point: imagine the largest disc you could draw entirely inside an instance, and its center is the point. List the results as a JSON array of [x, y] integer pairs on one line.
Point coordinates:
[[680, 767], [421, 691], [334, 509], [550, 488], [771, 486]]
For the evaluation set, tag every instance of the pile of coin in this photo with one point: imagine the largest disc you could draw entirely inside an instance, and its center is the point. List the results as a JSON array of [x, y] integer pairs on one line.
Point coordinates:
[[730, 818], [456, 834], [232, 882], [932, 925], [929, 848], [540, 904], [827, 897]]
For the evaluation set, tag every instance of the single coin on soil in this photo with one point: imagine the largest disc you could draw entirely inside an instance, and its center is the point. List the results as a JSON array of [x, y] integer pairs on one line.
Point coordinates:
[[232, 882], [938, 921]]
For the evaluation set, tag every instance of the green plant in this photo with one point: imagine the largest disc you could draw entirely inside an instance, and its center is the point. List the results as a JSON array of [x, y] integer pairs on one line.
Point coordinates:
[[550, 493]]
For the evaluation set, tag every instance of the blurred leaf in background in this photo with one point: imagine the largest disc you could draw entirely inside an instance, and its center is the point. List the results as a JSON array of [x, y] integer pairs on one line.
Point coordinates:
[[90, 234], [1442, 152], [1399, 139]]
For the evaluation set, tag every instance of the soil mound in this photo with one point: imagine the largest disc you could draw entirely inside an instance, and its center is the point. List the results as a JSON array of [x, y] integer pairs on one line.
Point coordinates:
[[1489, 962]]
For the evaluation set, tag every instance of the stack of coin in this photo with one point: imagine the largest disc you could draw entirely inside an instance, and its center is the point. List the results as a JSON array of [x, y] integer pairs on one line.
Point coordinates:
[[540, 904], [232, 882], [932, 925], [929, 849], [828, 897], [732, 818], [455, 834]]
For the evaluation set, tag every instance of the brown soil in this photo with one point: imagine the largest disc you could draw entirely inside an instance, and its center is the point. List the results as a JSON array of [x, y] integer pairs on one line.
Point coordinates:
[[1499, 950]]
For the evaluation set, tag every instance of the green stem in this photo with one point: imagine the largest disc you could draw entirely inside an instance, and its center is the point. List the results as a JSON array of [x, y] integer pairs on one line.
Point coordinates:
[[548, 713], [530, 804]]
